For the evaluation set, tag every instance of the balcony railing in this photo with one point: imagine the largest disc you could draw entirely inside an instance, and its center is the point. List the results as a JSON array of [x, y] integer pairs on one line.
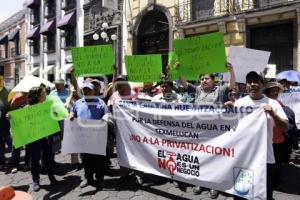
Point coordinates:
[[3, 54], [271, 3], [189, 11], [13, 52]]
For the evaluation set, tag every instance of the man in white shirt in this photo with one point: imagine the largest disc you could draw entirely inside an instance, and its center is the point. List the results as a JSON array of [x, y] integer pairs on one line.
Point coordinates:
[[275, 115], [168, 94]]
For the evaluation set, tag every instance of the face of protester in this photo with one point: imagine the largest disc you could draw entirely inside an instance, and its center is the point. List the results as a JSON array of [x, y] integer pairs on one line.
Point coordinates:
[[97, 88], [273, 93], [87, 92], [60, 87], [233, 95], [148, 86], [42, 95], [285, 84], [207, 83], [166, 89], [1, 82], [254, 88], [124, 89]]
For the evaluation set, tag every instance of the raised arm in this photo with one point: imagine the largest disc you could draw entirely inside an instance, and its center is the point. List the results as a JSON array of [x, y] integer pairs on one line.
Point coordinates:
[[232, 76]]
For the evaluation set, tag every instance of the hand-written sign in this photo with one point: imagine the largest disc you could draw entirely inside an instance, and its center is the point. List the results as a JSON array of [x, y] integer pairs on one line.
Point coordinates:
[[85, 136], [144, 68], [200, 55], [245, 60], [58, 110], [173, 71], [32, 123], [93, 60]]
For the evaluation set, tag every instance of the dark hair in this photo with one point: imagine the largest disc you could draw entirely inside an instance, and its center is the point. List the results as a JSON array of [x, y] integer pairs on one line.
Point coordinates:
[[167, 82], [212, 76], [253, 75], [34, 94], [96, 84]]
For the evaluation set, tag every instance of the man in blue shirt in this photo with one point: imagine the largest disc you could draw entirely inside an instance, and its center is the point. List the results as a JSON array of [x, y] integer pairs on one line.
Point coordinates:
[[90, 107], [60, 90]]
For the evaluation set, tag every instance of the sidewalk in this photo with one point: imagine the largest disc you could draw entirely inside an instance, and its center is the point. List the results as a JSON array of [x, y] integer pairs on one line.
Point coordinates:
[[69, 179]]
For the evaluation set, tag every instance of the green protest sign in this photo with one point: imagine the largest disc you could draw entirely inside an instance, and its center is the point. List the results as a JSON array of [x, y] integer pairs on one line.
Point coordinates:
[[200, 55], [93, 60], [173, 72], [58, 110], [144, 68], [32, 123]]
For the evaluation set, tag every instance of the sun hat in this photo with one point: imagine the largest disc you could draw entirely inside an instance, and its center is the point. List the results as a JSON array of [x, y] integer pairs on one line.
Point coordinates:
[[273, 84]]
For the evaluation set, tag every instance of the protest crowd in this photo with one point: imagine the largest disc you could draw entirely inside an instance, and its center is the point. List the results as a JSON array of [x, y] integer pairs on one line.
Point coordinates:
[[88, 103]]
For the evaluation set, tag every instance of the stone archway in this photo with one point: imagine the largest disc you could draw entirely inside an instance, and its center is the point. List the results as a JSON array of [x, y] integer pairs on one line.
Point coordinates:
[[152, 33]]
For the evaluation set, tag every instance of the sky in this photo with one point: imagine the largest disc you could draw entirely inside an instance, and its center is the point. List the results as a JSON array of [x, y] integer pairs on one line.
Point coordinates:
[[9, 7]]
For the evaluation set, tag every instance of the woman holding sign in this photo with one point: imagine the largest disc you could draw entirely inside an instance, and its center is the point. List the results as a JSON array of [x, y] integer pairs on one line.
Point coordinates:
[[209, 93], [38, 95]]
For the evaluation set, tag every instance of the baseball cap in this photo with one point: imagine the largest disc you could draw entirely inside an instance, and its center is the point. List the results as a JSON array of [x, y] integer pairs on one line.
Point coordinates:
[[59, 81], [255, 75], [87, 84]]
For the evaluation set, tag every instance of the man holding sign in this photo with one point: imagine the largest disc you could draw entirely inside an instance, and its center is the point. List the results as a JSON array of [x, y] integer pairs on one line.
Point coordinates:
[[90, 107], [275, 115], [209, 93]]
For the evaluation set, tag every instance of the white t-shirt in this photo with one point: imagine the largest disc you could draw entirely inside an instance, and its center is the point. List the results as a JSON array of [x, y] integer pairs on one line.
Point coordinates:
[[172, 97], [247, 101]]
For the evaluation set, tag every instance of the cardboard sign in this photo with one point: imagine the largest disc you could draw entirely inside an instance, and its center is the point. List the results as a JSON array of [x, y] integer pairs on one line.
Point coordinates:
[[173, 71], [245, 60], [143, 68], [32, 123], [93, 60], [203, 54], [85, 136]]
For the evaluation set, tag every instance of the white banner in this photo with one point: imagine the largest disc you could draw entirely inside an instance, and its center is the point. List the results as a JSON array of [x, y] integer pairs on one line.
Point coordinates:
[[245, 60], [292, 100], [220, 148], [85, 136]]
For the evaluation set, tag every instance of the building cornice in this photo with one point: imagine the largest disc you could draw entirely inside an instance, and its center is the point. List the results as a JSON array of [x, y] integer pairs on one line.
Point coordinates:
[[12, 21], [242, 15]]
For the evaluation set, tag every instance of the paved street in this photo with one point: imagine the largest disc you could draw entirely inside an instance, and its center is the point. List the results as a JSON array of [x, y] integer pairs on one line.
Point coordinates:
[[69, 179]]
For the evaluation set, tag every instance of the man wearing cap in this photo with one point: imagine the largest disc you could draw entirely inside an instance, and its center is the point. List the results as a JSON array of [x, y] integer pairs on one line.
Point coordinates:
[[90, 107], [275, 117], [55, 139], [60, 90]]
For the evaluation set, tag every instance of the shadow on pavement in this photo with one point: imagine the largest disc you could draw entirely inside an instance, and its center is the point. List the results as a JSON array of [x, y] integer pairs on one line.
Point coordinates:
[[23, 188], [289, 179], [62, 187], [61, 169]]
